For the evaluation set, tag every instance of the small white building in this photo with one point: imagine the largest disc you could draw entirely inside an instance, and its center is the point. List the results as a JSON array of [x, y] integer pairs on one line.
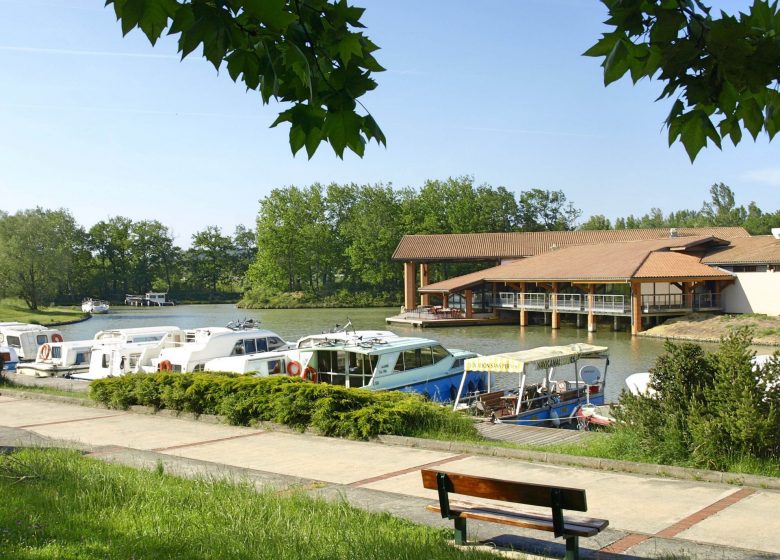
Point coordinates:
[[755, 261]]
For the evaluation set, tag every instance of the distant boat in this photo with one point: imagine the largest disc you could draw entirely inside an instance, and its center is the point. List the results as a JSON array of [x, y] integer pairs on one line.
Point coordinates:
[[158, 299], [95, 306]]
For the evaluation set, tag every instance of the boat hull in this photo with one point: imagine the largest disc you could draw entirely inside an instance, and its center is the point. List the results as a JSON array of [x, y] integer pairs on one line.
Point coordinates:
[[554, 413], [443, 389], [49, 370]]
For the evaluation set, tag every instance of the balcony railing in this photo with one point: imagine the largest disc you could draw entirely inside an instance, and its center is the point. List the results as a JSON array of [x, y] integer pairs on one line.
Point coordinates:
[[569, 302], [610, 304], [680, 302]]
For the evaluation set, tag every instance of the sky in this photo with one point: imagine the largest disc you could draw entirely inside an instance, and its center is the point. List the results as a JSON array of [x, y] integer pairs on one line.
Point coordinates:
[[104, 125]]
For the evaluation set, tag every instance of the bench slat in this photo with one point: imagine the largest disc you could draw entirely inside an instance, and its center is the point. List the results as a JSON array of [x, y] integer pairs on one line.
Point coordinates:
[[507, 491], [572, 527]]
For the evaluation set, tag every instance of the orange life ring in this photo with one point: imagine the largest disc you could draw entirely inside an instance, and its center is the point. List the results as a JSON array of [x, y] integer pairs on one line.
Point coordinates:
[[44, 352], [56, 337], [165, 365], [294, 369], [309, 374]]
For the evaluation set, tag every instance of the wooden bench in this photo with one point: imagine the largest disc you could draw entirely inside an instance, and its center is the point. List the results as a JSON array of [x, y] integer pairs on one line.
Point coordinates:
[[490, 402], [555, 497]]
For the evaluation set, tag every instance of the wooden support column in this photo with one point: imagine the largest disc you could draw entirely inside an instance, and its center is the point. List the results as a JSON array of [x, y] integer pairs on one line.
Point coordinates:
[[555, 319], [410, 286], [445, 300], [469, 304], [523, 312], [591, 314], [424, 298], [687, 289], [636, 308]]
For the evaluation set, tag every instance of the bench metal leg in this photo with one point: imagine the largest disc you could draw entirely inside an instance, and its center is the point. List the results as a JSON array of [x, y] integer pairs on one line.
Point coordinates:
[[572, 548], [460, 530]]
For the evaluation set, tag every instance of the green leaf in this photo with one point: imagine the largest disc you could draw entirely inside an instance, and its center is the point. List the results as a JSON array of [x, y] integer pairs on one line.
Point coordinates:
[[616, 63], [342, 128], [348, 46], [604, 45]]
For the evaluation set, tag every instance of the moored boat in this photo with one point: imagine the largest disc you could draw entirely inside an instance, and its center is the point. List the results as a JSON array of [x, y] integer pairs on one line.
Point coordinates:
[[512, 397], [8, 358], [26, 338], [381, 361], [95, 306], [59, 359]]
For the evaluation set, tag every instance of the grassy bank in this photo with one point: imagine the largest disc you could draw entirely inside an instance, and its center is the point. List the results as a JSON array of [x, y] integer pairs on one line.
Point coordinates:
[[264, 299], [16, 310], [58, 504], [705, 327]]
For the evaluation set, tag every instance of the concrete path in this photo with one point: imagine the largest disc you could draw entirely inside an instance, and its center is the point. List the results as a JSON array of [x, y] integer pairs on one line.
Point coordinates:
[[649, 516]]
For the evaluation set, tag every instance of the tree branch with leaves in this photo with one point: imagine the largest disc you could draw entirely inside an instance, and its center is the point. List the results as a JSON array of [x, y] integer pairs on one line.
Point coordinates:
[[723, 71], [307, 53]]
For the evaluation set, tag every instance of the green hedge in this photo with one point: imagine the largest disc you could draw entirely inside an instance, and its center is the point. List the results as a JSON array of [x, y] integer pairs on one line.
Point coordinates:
[[332, 410]]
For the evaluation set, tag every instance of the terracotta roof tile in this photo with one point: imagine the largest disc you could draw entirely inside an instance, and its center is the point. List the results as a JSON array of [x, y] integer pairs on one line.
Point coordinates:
[[619, 262], [760, 249], [494, 246], [669, 265]]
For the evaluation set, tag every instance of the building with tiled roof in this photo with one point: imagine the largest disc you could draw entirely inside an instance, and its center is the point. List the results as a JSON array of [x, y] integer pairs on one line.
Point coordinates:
[[632, 274]]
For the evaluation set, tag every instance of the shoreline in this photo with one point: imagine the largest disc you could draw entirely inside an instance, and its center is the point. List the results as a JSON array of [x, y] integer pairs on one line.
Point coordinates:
[[712, 328]]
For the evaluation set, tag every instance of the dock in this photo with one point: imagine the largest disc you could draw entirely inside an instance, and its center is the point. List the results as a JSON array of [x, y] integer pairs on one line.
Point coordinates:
[[427, 320], [530, 435]]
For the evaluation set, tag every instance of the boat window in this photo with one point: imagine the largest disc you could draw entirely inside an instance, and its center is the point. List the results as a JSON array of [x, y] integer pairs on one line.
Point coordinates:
[[411, 359], [133, 359], [262, 345], [439, 353], [275, 342], [56, 352], [13, 341], [238, 349], [249, 346], [426, 357], [275, 366], [176, 368], [81, 358], [325, 360], [340, 362], [199, 367], [104, 362], [364, 365], [41, 339]]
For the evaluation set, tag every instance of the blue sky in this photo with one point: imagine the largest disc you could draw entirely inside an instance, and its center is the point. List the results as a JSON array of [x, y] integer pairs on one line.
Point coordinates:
[[105, 125]]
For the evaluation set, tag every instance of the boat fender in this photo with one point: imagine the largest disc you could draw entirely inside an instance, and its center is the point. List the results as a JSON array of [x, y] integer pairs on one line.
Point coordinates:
[[44, 352], [309, 374], [56, 337], [165, 365], [294, 369]]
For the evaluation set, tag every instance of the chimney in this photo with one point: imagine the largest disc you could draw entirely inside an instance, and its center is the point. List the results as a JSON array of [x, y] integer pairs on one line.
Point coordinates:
[[673, 232]]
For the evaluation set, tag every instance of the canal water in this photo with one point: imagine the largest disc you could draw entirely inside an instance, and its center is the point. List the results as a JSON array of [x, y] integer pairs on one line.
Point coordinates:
[[627, 354]]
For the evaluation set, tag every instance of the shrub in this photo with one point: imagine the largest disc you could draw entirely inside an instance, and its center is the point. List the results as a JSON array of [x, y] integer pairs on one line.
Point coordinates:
[[243, 400], [710, 409]]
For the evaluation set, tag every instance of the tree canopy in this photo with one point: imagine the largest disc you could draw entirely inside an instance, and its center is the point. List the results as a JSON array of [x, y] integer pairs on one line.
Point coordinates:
[[308, 53], [722, 69]]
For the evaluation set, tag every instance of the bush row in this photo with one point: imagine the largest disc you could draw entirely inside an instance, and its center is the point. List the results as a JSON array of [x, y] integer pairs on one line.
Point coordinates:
[[242, 400], [261, 298]]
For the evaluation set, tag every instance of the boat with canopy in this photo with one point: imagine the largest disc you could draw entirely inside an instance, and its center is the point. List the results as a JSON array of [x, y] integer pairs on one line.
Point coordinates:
[[525, 387]]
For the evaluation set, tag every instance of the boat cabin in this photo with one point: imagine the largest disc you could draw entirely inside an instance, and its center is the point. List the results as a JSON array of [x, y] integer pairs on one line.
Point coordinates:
[[262, 365], [26, 338], [409, 364], [527, 387], [60, 359]]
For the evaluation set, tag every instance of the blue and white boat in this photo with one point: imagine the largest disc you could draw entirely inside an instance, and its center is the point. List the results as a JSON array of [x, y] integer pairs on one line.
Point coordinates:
[[526, 387], [382, 361], [8, 358]]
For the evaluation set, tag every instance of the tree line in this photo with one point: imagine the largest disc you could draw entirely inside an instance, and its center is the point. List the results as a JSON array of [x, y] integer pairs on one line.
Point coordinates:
[[333, 244], [45, 257], [314, 245]]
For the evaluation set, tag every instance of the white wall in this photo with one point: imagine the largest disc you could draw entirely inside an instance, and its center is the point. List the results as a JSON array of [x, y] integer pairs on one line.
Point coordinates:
[[753, 292]]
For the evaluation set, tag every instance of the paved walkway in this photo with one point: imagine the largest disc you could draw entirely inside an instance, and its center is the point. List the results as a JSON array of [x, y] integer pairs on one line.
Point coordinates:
[[649, 516]]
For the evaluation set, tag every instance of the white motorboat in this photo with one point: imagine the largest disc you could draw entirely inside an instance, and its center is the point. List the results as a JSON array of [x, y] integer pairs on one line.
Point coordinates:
[[26, 338], [95, 306], [59, 359]]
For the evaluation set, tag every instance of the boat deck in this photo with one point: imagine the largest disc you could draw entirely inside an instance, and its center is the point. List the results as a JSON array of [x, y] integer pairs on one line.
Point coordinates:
[[530, 435]]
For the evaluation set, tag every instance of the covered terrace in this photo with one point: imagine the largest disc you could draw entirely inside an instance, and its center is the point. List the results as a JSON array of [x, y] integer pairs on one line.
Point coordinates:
[[635, 279]]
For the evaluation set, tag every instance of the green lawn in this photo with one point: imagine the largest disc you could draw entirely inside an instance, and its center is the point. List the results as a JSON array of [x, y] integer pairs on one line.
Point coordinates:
[[59, 505], [16, 310]]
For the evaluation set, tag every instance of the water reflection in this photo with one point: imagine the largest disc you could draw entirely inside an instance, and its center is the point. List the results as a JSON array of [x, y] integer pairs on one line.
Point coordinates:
[[627, 354]]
